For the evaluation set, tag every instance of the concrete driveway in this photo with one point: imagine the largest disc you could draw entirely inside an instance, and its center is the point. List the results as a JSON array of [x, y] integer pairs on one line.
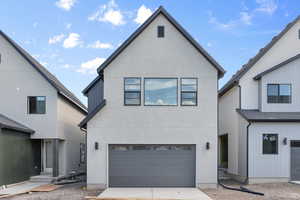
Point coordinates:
[[155, 193]]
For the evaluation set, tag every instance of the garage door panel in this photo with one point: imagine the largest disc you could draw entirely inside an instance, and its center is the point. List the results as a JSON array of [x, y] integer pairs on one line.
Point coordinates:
[[157, 166]]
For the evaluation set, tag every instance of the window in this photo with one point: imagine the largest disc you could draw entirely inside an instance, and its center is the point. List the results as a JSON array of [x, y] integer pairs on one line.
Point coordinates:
[[82, 153], [37, 105], [160, 31], [132, 91], [160, 92], [189, 91], [279, 93], [270, 143]]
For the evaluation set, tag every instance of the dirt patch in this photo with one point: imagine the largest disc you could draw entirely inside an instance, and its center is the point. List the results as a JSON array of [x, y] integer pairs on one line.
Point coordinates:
[[67, 192], [278, 191]]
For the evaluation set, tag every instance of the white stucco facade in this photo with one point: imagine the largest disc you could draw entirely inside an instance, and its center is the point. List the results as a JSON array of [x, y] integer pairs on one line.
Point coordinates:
[[149, 56], [253, 96], [271, 168]]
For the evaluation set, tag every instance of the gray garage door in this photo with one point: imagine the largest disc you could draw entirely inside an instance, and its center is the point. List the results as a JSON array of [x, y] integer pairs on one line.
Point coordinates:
[[295, 160], [152, 165]]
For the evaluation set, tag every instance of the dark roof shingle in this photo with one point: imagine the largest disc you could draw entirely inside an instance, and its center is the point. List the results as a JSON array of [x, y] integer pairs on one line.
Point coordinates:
[[7, 123], [257, 116], [239, 74], [257, 77]]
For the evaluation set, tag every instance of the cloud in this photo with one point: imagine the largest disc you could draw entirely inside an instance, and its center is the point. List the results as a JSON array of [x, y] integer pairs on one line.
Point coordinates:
[[66, 66], [99, 45], [90, 67], [44, 64], [68, 26], [109, 13], [266, 6], [55, 39], [65, 4], [246, 18], [72, 41], [143, 14], [35, 24]]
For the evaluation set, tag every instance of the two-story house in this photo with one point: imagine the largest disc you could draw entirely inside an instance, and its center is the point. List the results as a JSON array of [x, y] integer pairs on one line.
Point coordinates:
[[33, 97], [260, 113], [152, 117]]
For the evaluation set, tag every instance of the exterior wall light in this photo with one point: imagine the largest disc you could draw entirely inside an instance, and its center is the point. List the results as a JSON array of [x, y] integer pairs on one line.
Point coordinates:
[[207, 146], [285, 141], [96, 145]]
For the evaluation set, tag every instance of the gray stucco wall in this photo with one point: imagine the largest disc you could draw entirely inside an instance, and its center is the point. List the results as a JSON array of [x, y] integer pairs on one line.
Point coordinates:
[[149, 56], [67, 126], [229, 124], [18, 80], [17, 157]]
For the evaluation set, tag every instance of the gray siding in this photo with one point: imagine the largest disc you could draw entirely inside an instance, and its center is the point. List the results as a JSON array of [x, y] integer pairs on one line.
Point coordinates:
[[95, 95], [19, 157]]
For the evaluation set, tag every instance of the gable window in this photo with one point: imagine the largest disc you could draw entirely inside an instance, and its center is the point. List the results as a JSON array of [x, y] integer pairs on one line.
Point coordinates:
[[270, 143], [279, 93], [160, 31], [37, 105], [132, 91], [189, 91], [160, 91]]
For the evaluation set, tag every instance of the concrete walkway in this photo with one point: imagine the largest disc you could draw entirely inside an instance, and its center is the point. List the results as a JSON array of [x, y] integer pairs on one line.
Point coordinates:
[[19, 189], [155, 193]]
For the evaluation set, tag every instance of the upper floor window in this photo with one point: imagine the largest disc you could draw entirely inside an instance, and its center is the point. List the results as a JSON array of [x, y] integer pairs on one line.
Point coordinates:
[[132, 91], [37, 105], [160, 91], [189, 91], [160, 31], [270, 143], [279, 93]]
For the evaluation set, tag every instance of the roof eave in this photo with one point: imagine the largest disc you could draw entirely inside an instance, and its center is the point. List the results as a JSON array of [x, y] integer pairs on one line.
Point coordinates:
[[161, 10]]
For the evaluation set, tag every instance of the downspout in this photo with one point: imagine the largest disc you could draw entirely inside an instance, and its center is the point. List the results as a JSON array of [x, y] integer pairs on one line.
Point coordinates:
[[247, 177], [85, 131]]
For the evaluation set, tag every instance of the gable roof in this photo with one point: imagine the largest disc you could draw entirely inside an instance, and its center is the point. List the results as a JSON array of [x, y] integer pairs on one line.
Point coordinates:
[[257, 116], [245, 68], [162, 11], [61, 89], [7, 123], [257, 77]]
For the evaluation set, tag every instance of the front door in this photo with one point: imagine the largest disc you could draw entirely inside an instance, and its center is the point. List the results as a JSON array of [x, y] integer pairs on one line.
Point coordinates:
[[47, 156], [295, 160]]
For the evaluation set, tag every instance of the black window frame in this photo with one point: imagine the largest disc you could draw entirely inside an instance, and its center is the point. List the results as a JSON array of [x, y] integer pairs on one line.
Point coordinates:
[[145, 78], [137, 92], [277, 144], [36, 113], [194, 92], [160, 31], [278, 97]]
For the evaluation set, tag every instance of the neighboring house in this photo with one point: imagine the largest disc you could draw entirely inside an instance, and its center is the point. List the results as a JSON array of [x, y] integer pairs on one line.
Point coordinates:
[[32, 96], [259, 113], [17, 152], [152, 117]]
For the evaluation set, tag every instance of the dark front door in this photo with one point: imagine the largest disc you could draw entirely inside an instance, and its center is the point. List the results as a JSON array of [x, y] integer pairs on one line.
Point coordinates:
[[152, 165], [295, 160]]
